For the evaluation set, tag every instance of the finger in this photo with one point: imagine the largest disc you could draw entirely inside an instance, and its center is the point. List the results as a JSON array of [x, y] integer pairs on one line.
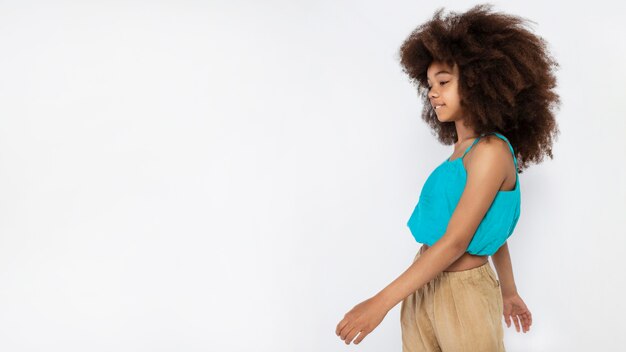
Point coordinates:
[[527, 318], [516, 322], [342, 324], [524, 323], [346, 332], [507, 320], [351, 336], [361, 337], [528, 321], [338, 327]]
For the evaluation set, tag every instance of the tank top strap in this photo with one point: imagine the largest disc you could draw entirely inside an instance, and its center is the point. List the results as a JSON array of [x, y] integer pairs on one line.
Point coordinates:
[[470, 147], [510, 147]]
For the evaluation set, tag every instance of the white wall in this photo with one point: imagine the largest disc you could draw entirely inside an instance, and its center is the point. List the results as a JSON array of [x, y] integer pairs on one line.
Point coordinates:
[[236, 175]]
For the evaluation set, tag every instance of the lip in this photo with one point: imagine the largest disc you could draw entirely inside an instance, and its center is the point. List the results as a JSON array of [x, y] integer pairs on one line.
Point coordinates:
[[437, 108]]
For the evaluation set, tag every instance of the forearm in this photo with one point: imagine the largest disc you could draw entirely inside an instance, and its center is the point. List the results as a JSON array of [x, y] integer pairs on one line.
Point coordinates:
[[502, 261], [429, 264]]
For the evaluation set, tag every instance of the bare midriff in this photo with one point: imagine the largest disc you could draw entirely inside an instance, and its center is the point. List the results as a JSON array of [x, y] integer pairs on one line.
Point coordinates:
[[465, 262]]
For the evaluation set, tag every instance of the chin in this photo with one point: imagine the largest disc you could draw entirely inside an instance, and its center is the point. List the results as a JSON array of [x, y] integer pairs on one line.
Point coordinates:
[[446, 118]]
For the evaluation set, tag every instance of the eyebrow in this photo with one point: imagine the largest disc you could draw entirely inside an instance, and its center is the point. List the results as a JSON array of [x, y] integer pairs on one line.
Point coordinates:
[[440, 72]]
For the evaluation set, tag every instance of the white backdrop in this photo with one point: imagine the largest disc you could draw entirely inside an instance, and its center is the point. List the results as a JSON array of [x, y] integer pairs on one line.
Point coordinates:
[[237, 175]]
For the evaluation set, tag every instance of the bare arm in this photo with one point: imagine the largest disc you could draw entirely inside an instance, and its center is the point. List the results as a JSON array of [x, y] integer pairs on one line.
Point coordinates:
[[502, 261], [484, 177], [437, 258]]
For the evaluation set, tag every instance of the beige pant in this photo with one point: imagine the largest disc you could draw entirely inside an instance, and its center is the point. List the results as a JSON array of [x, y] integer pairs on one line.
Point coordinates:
[[457, 311]]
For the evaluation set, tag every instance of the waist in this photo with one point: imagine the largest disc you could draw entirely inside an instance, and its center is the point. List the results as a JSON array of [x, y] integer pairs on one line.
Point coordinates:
[[465, 262]]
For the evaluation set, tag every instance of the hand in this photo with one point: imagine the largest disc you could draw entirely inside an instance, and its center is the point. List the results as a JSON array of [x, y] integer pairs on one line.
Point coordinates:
[[515, 307], [363, 318]]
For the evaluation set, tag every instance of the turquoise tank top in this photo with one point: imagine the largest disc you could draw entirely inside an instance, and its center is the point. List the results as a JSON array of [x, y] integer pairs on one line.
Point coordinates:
[[441, 193]]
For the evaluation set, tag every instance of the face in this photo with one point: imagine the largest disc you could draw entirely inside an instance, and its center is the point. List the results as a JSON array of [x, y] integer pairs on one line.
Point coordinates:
[[443, 90]]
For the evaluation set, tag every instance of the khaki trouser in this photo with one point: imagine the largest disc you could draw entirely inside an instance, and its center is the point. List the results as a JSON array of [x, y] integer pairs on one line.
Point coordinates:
[[457, 311]]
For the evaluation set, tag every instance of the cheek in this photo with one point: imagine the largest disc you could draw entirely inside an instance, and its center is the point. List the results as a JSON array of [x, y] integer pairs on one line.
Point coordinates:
[[453, 99]]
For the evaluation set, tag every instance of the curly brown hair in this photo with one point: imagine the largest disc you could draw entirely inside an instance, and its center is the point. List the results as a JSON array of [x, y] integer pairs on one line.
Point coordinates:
[[506, 77]]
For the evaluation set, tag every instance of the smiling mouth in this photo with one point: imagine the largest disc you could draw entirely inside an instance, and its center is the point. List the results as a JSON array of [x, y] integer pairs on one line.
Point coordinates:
[[437, 107]]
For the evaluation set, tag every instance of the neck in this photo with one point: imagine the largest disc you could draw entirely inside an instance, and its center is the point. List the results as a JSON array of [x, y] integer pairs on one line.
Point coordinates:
[[464, 132]]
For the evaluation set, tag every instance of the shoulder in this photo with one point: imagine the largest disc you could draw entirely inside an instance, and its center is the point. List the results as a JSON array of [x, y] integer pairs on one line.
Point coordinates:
[[491, 154], [492, 148]]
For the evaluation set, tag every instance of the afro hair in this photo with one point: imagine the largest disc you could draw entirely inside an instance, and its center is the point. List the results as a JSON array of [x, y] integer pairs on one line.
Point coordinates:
[[506, 77]]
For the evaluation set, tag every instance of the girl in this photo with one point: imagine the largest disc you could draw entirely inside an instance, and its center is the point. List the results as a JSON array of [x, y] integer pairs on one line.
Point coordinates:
[[486, 83]]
